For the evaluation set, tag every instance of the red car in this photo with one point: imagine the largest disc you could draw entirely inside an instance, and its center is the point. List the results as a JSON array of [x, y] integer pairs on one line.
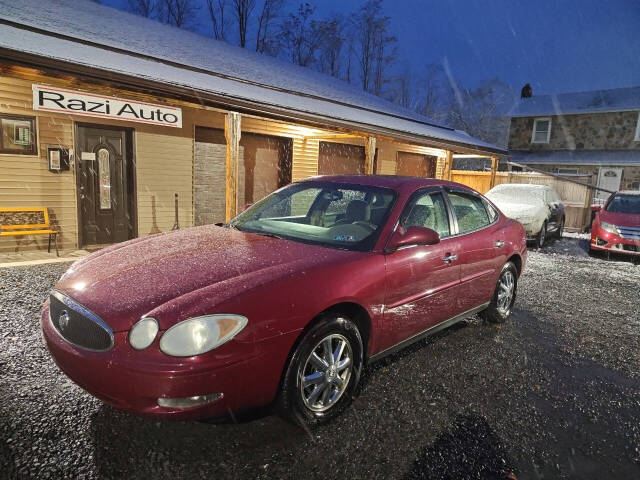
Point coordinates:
[[616, 226], [285, 304]]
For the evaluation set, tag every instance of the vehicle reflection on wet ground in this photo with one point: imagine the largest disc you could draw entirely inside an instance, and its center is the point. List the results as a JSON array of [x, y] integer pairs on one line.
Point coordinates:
[[553, 393]]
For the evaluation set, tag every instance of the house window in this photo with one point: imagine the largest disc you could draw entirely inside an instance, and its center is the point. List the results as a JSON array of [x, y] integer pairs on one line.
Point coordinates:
[[541, 130], [637, 138], [18, 135]]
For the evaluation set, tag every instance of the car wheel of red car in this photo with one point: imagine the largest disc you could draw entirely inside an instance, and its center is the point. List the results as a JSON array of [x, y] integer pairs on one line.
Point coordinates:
[[323, 372], [504, 297], [542, 236]]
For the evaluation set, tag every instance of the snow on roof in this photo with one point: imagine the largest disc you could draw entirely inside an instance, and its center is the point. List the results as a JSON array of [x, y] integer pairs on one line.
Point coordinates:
[[92, 35], [578, 157], [616, 99]]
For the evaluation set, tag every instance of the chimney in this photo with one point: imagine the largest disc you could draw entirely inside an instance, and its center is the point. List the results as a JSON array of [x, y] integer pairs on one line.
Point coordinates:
[[527, 91]]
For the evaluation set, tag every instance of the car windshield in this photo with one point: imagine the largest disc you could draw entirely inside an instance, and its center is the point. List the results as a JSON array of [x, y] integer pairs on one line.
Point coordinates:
[[516, 193], [624, 204], [343, 216]]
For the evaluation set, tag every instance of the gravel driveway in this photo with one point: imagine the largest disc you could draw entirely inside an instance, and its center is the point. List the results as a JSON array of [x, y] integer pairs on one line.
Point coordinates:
[[553, 393]]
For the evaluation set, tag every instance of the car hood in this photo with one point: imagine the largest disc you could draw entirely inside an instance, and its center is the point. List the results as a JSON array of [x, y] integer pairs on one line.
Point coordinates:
[[523, 212], [625, 219], [123, 282]]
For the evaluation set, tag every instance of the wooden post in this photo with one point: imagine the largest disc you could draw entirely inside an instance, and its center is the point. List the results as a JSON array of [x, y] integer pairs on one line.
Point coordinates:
[[232, 132], [369, 155], [494, 168], [448, 163]]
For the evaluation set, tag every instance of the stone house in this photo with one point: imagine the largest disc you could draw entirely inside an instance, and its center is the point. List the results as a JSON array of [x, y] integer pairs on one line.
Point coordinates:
[[593, 133]]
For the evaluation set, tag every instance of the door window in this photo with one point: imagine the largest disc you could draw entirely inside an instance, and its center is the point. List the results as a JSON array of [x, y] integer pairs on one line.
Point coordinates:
[[104, 177], [428, 211], [469, 211]]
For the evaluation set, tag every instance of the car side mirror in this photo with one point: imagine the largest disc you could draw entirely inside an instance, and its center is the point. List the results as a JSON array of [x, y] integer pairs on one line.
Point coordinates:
[[596, 208], [412, 236]]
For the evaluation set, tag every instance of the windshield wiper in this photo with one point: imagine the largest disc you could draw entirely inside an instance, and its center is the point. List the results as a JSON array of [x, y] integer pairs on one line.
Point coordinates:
[[268, 234]]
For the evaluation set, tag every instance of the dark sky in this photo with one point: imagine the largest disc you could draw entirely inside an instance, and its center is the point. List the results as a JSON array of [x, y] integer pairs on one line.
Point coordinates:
[[556, 45]]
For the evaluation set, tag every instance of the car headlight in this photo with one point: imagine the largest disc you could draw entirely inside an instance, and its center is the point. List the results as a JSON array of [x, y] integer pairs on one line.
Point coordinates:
[[143, 333], [609, 227], [199, 335]]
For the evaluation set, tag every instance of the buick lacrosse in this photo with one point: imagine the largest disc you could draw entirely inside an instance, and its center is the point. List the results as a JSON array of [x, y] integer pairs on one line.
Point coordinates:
[[286, 303]]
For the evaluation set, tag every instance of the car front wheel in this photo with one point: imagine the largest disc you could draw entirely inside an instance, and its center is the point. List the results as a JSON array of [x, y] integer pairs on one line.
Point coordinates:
[[542, 236], [323, 373], [504, 296]]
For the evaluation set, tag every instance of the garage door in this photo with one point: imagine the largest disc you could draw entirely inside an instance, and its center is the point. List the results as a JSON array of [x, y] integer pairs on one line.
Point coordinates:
[[267, 164], [416, 165], [340, 159]]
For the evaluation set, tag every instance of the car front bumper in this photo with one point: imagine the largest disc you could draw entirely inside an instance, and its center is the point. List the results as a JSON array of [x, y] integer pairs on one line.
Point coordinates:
[[134, 381], [602, 240]]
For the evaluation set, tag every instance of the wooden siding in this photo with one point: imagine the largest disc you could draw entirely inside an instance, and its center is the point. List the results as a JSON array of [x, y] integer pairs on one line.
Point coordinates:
[[25, 180], [164, 167]]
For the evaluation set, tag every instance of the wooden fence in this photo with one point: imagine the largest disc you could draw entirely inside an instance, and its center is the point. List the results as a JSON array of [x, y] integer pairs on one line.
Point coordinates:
[[576, 198]]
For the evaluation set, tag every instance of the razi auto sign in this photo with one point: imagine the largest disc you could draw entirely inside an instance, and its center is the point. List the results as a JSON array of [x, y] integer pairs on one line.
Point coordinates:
[[61, 100]]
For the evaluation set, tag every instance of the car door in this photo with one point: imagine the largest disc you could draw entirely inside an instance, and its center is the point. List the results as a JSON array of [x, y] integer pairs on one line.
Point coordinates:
[[482, 251], [422, 280]]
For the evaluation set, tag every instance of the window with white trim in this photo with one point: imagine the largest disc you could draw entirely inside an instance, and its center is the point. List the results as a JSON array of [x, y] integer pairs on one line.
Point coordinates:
[[541, 130], [637, 137]]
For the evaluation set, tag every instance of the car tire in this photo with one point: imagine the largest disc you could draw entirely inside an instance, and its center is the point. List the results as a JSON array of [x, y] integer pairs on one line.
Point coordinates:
[[560, 228], [301, 402], [500, 307], [542, 236]]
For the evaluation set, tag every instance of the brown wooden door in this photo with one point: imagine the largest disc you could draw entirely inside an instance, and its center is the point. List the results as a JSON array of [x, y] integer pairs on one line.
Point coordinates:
[[340, 159], [105, 185], [416, 165]]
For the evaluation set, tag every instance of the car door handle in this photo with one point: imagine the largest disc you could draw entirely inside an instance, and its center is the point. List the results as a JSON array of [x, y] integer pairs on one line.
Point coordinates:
[[498, 243], [450, 257]]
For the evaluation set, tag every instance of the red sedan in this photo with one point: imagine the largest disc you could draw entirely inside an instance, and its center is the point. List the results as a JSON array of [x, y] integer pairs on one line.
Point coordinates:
[[616, 226], [285, 304]]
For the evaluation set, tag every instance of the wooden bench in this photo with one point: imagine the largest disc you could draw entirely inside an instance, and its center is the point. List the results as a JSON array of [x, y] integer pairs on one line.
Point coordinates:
[[20, 221]]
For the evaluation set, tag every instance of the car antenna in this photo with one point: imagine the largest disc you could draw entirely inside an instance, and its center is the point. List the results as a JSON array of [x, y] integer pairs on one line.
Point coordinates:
[[176, 223]]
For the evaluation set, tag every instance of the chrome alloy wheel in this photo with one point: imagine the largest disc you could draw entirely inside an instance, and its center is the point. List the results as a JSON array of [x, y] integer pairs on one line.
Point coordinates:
[[326, 373], [506, 290]]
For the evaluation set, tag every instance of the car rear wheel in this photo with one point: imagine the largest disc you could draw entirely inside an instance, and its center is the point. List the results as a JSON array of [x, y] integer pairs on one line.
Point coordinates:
[[504, 296], [323, 373], [542, 236]]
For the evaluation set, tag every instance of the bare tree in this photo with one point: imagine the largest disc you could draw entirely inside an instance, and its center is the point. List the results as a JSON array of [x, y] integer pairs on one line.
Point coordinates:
[[402, 91], [145, 8], [300, 36], [179, 13], [216, 10], [265, 37], [435, 94], [242, 10], [332, 45], [375, 45], [482, 111]]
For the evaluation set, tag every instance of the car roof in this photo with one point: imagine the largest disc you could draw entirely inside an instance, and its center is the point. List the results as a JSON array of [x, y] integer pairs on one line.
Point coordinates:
[[395, 182], [629, 192], [533, 186]]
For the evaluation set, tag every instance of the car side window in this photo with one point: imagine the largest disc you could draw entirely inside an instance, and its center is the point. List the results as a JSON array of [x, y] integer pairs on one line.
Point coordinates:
[[427, 210], [469, 211], [493, 215]]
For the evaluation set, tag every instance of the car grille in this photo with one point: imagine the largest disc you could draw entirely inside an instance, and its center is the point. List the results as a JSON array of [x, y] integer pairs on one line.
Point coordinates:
[[78, 325], [629, 232]]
